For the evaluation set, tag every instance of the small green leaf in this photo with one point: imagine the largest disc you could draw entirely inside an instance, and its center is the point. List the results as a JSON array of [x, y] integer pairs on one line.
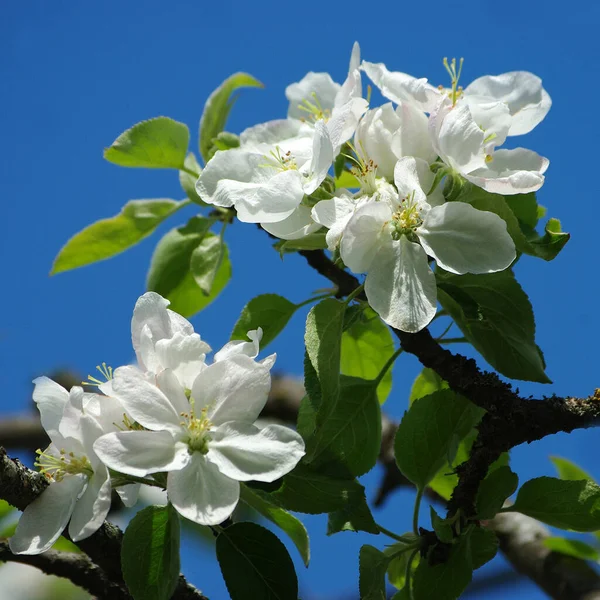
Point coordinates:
[[150, 553], [108, 237], [313, 241], [217, 108], [564, 504], [494, 490], [226, 141], [262, 502], [396, 571], [5, 509], [367, 346], [159, 143], [548, 246], [575, 548], [355, 515], [372, 565], [495, 315], [425, 383], [255, 564], [205, 262], [428, 433], [269, 311], [525, 208], [569, 470], [188, 182], [442, 527], [484, 546]]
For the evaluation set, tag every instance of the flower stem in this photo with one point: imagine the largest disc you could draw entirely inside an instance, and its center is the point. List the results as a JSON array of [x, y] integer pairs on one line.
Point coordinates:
[[189, 172], [354, 293], [416, 511], [387, 366], [315, 299], [394, 536], [407, 579]]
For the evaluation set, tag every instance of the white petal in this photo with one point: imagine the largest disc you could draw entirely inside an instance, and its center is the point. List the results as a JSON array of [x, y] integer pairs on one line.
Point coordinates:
[[93, 506], [70, 425], [408, 182], [492, 117], [129, 493], [412, 137], [354, 58], [245, 452], [171, 387], [140, 453], [400, 87], [235, 389], [322, 158], [51, 399], [463, 239], [515, 171], [45, 518], [364, 235], [273, 133], [401, 287], [183, 354], [312, 84], [251, 348], [298, 225], [201, 493], [344, 120], [334, 214], [107, 411], [527, 100], [151, 311], [144, 401]]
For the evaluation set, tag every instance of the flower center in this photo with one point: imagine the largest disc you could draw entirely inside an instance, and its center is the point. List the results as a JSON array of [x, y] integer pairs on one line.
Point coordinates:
[[197, 429], [364, 169], [282, 161], [56, 467], [314, 111], [105, 371], [407, 218]]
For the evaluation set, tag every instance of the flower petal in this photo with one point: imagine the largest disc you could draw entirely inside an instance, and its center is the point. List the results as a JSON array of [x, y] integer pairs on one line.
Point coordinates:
[[401, 287], [251, 348], [244, 452], [363, 235], [273, 133], [463, 239], [45, 518], [235, 389], [92, 507], [185, 355], [334, 214], [312, 84], [408, 182], [140, 453], [412, 137], [129, 493], [322, 158], [201, 493], [298, 225], [144, 401], [51, 399]]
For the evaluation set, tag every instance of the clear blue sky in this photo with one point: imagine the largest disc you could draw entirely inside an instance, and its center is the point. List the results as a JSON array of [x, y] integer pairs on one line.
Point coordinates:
[[75, 75]]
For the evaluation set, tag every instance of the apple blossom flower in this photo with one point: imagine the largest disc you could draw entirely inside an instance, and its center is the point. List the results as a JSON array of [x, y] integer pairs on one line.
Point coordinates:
[[390, 241], [203, 437]]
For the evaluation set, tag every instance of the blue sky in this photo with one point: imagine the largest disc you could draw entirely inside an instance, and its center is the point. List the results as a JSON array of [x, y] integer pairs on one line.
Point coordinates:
[[75, 75]]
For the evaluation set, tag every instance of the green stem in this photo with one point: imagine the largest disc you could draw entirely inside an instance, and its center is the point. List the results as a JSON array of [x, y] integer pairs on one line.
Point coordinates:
[[441, 337], [189, 172], [394, 536], [314, 299], [387, 365], [441, 313], [121, 479], [407, 583], [354, 293], [416, 511]]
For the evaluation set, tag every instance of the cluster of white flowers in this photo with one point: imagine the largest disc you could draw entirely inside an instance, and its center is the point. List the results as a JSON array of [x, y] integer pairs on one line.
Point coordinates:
[[173, 419], [394, 215]]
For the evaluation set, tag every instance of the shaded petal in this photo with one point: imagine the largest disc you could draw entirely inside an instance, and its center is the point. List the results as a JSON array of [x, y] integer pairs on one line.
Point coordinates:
[[492, 117], [144, 401], [407, 174], [298, 225], [344, 120], [245, 453], [184, 355], [235, 389], [334, 214], [93, 506], [463, 239], [322, 158], [129, 493], [412, 137], [140, 453], [201, 493], [312, 84], [69, 429], [251, 348], [107, 411], [401, 287], [363, 235], [273, 133], [45, 518], [51, 399], [171, 387]]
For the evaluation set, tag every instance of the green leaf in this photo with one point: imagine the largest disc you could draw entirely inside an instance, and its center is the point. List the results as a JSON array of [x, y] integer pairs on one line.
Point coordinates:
[[159, 143], [313, 241], [226, 141], [206, 260], [494, 490], [150, 553], [568, 470], [484, 546], [269, 311], [564, 504], [548, 246], [188, 182], [349, 434], [442, 527], [426, 382], [372, 565], [170, 275], [367, 345], [495, 315], [347, 180], [262, 502], [429, 433], [355, 515], [5, 509], [525, 208], [108, 237], [255, 564], [446, 478], [217, 108], [396, 571], [574, 548]]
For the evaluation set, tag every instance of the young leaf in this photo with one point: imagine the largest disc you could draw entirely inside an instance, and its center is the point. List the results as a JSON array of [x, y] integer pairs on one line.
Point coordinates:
[[313, 241], [159, 143], [205, 262], [372, 565], [367, 345], [150, 553], [217, 108], [548, 246], [425, 383], [255, 564], [495, 315], [108, 237], [525, 208], [442, 527], [568, 470], [575, 548], [269, 311], [483, 545], [494, 490], [396, 570], [564, 504], [188, 181], [355, 515], [429, 432], [262, 502]]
